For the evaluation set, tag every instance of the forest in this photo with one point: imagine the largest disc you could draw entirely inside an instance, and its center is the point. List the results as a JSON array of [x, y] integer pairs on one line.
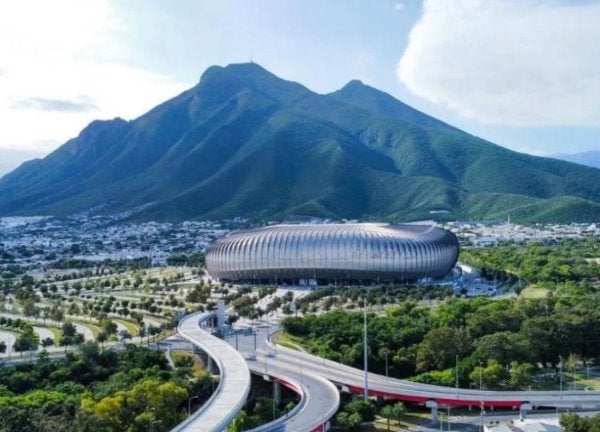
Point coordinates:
[[94, 390], [493, 343]]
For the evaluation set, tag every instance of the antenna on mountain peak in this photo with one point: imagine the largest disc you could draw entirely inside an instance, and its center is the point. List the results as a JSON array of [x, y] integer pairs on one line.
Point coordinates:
[[251, 60]]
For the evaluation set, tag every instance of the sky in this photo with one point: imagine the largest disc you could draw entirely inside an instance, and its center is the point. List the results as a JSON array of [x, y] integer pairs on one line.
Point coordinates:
[[524, 74]]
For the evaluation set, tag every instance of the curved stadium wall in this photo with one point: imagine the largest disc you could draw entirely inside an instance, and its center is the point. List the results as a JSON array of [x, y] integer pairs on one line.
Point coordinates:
[[333, 252]]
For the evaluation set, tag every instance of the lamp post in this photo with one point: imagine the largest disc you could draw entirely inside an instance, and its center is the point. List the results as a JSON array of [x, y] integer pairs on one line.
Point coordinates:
[[560, 365], [365, 360], [386, 362], [481, 418], [190, 404], [480, 374], [456, 370]]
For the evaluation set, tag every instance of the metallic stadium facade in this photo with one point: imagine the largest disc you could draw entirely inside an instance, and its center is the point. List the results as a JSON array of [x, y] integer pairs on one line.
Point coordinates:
[[351, 253]]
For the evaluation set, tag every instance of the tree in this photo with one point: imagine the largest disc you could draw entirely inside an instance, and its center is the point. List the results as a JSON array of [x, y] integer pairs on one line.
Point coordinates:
[[520, 375], [440, 348], [365, 410], [102, 337], [28, 340], [47, 342], [70, 335], [392, 412], [239, 423], [491, 376], [124, 335], [574, 423], [348, 421]]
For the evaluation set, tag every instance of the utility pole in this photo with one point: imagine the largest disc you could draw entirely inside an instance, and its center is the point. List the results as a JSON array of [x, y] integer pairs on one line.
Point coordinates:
[[480, 374], [456, 370], [366, 365], [560, 365]]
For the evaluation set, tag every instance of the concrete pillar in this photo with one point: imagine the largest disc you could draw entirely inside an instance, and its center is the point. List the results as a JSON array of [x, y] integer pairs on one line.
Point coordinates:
[[523, 410], [434, 410], [277, 391], [221, 316]]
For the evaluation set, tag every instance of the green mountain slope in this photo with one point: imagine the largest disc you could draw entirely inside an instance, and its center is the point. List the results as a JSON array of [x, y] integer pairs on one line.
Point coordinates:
[[244, 142]]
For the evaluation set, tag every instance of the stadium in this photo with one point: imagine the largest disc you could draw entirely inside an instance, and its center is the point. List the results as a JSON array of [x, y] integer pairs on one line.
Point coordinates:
[[332, 253]]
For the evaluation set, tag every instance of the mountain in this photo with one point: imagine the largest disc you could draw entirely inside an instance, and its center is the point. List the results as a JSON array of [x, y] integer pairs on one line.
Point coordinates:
[[590, 158], [10, 158], [244, 142]]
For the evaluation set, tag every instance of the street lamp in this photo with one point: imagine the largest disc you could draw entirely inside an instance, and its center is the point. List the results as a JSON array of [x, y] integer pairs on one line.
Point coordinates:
[[560, 365], [481, 418], [480, 374], [365, 360], [190, 404]]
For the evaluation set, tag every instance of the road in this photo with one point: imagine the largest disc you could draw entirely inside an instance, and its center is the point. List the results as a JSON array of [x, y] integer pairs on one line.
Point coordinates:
[[9, 340], [393, 388], [234, 385], [320, 398]]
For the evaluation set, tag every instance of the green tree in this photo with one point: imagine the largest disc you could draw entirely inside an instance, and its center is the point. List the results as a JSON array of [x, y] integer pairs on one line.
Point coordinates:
[[440, 347], [27, 340], [520, 375], [491, 376], [348, 421], [366, 410], [392, 412]]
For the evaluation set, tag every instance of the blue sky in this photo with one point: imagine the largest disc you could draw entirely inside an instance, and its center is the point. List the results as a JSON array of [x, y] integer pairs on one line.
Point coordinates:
[[524, 74]]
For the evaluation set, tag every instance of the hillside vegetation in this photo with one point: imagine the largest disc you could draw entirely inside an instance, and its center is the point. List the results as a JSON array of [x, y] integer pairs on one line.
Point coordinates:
[[244, 142]]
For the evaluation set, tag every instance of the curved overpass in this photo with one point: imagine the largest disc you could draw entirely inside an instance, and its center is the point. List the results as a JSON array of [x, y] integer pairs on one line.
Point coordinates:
[[234, 386], [319, 402], [353, 380]]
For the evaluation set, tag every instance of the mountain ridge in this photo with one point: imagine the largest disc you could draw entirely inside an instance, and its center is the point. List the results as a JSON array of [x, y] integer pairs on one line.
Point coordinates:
[[589, 158], [244, 142]]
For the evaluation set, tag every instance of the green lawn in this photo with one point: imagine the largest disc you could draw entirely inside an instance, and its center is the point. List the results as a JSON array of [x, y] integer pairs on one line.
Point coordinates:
[[533, 292], [93, 327], [131, 327], [289, 341]]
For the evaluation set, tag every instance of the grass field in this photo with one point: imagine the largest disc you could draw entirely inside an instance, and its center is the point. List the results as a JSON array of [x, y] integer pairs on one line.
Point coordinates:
[[533, 292], [132, 328], [289, 341]]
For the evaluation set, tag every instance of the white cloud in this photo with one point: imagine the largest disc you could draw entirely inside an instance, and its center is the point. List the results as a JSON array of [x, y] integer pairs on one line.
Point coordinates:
[[64, 54], [508, 62], [398, 6]]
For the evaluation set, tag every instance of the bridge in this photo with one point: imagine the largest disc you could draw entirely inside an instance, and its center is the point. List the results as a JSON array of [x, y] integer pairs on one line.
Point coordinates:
[[230, 395], [318, 382]]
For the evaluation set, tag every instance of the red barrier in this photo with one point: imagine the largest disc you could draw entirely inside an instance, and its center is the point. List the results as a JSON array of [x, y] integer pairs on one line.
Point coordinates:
[[441, 401]]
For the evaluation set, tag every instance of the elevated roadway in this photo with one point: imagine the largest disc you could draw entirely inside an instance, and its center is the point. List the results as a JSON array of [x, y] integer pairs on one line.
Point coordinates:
[[234, 386], [319, 398], [353, 380]]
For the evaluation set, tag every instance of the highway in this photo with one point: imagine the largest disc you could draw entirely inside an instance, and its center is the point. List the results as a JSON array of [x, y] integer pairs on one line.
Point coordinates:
[[234, 385], [392, 388], [320, 399]]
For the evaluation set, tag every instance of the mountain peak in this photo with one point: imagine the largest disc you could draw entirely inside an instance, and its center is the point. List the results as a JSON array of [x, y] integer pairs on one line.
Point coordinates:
[[355, 83], [229, 80], [364, 96], [247, 143], [238, 69]]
